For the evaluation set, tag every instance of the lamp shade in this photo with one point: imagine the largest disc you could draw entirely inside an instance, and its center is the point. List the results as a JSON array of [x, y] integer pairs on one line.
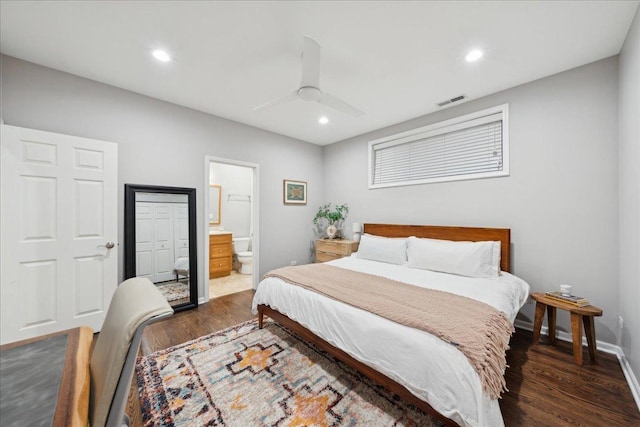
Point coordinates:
[[356, 227]]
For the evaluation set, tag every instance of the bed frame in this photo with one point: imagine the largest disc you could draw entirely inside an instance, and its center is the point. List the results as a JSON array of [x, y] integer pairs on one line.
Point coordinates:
[[393, 230]]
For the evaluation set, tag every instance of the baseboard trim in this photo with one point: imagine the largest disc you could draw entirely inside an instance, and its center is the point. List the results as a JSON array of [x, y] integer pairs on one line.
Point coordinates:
[[201, 300], [600, 345]]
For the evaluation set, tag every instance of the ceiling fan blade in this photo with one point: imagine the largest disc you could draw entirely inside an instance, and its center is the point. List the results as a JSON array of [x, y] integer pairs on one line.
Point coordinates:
[[291, 97], [338, 104], [310, 63]]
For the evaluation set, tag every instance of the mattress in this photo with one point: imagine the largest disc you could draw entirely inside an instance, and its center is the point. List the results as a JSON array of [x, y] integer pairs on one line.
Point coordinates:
[[431, 369]]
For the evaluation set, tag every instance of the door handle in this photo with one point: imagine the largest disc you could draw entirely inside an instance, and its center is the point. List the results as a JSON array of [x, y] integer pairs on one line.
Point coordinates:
[[109, 245]]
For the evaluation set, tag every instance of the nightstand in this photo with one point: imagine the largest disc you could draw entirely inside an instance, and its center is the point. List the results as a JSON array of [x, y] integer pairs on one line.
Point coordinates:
[[327, 250], [579, 316]]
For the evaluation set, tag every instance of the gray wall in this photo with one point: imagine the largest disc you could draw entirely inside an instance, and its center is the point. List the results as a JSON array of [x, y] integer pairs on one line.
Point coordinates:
[[163, 144], [560, 201], [629, 177]]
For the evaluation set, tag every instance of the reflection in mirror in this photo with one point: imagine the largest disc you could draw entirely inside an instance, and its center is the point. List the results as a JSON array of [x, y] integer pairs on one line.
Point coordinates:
[[214, 204], [160, 240]]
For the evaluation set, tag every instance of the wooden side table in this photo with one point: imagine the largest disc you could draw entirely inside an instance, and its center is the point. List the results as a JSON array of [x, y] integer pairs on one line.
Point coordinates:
[[46, 380], [579, 316], [328, 250]]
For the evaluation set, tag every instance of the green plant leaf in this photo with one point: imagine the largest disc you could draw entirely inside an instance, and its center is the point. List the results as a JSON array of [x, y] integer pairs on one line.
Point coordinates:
[[331, 216]]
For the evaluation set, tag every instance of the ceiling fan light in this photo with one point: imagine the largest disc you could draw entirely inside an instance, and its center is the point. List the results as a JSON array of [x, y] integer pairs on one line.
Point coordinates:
[[309, 93], [323, 120]]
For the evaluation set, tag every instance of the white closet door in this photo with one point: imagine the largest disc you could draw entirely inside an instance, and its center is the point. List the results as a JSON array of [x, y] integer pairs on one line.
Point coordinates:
[[144, 240], [163, 244], [181, 229], [58, 217]]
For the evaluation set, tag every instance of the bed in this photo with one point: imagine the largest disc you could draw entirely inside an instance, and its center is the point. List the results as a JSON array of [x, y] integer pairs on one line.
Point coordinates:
[[426, 371]]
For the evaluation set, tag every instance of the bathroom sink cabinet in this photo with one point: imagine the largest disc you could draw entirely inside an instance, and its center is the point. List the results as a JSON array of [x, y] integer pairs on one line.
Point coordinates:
[[220, 255]]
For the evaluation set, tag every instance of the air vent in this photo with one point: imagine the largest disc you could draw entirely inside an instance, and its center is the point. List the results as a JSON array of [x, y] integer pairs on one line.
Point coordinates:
[[451, 101]]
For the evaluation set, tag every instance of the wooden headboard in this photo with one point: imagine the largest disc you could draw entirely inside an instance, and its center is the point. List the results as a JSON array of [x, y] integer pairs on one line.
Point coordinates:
[[471, 234]]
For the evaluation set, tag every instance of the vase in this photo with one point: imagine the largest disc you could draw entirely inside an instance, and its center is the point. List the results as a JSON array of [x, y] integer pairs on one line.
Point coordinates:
[[332, 230]]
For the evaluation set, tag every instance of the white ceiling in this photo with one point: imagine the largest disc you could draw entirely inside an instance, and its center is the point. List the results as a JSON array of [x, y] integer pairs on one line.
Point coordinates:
[[393, 60]]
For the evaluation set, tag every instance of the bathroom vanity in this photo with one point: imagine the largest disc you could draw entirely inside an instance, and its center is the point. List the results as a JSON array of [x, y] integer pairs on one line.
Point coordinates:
[[220, 254]]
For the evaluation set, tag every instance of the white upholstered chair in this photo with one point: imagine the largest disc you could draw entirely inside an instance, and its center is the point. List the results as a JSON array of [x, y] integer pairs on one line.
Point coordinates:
[[135, 304], [181, 267]]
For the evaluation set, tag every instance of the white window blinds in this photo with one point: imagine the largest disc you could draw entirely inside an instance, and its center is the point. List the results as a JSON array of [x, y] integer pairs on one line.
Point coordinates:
[[468, 147]]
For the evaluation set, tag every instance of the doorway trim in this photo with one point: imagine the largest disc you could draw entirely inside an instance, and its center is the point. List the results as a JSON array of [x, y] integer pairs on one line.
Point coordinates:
[[256, 219]]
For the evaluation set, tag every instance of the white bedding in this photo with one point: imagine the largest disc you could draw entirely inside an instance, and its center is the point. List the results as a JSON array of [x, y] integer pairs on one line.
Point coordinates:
[[431, 369]]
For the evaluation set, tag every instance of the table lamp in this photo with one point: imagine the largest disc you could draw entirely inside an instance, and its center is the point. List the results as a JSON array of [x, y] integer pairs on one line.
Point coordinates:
[[357, 229]]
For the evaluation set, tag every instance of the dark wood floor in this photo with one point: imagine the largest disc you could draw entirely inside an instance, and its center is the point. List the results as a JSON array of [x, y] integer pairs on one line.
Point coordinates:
[[545, 387]]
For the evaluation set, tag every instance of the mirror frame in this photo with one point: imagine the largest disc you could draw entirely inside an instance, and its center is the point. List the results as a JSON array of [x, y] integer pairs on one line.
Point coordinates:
[[219, 187], [130, 191]]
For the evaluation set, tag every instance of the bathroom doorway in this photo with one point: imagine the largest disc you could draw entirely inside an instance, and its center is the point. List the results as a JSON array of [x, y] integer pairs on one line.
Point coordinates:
[[231, 214]]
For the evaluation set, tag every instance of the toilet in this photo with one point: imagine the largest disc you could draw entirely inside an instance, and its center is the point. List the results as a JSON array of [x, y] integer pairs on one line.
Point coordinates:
[[242, 249]]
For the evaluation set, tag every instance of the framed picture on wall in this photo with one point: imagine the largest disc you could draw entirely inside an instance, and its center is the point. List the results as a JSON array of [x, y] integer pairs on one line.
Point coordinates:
[[294, 192]]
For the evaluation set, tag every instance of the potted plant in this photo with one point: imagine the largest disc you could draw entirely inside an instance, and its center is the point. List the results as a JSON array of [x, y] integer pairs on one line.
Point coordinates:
[[333, 219]]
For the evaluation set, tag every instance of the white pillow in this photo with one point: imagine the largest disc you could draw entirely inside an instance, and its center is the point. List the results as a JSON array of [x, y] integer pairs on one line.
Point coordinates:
[[392, 250], [472, 259]]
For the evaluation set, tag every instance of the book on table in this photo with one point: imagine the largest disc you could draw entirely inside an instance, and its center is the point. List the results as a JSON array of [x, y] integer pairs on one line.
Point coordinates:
[[569, 299]]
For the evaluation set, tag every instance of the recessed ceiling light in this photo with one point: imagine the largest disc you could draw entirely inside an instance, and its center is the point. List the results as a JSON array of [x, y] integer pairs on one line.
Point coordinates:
[[161, 55], [474, 55], [323, 120]]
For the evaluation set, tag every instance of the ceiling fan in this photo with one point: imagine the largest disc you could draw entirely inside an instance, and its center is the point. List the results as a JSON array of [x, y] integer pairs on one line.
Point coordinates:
[[309, 89]]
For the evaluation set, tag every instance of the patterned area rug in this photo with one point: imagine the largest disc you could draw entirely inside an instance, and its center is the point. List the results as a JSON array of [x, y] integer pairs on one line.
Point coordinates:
[[174, 291], [244, 377]]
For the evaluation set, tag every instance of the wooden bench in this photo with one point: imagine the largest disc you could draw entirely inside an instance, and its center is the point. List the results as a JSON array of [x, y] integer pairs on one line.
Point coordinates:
[[579, 316]]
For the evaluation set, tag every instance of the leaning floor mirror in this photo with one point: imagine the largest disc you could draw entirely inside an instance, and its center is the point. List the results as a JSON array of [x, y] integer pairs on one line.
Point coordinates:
[[160, 240]]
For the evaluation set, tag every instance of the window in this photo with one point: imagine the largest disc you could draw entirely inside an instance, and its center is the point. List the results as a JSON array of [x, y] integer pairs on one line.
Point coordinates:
[[468, 147]]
